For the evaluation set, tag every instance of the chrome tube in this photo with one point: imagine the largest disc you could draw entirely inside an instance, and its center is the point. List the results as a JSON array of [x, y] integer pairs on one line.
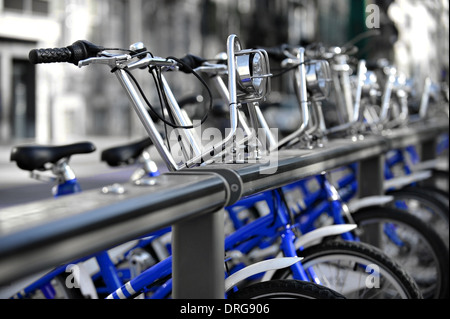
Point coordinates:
[[190, 139], [302, 94], [146, 120], [262, 121], [387, 97], [425, 99], [232, 47], [356, 112], [362, 71]]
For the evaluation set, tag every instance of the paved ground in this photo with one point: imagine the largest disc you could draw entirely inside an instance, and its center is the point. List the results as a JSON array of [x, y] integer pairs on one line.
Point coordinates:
[[16, 186]]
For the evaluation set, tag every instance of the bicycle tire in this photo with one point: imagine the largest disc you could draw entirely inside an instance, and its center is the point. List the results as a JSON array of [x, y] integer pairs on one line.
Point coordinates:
[[440, 180], [285, 289], [415, 245], [332, 257], [439, 195], [425, 206], [427, 195]]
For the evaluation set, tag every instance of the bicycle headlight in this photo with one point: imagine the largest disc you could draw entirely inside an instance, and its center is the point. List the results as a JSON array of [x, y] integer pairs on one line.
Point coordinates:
[[253, 75], [318, 79]]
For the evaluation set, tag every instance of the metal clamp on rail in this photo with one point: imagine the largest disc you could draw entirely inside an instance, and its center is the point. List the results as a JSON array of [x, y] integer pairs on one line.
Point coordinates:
[[232, 181]]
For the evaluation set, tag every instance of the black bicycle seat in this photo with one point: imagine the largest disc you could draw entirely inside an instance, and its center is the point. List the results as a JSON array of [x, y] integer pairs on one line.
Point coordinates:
[[125, 154], [34, 157]]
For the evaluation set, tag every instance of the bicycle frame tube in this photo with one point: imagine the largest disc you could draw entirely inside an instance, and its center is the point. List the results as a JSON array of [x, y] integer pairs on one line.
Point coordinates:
[[160, 270], [190, 140], [387, 97], [354, 110], [302, 93], [147, 122], [232, 46], [67, 187]]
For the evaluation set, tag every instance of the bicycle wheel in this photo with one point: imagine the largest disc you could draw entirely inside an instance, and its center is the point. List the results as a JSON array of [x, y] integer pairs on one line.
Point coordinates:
[[440, 180], [285, 289], [421, 203], [356, 270], [409, 241], [438, 194]]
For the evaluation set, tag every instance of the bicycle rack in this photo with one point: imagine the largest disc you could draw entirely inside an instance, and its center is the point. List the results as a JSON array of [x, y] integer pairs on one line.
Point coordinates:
[[39, 235]]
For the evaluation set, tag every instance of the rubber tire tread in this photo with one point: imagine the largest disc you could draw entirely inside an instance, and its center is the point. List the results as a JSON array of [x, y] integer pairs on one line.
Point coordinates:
[[338, 246], [419, 193], [427, 232], [304, 289]]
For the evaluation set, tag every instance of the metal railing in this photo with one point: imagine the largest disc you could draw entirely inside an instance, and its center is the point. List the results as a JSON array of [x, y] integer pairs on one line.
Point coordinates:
[[40, 235]]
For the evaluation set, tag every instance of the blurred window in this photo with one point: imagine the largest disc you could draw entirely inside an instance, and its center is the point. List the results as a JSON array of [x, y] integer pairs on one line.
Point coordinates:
[[27, 6], [14, 4], [40, 6]]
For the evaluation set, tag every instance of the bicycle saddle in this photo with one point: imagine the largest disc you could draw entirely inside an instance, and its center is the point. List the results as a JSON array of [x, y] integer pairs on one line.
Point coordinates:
[[126, 154], [34, 157]]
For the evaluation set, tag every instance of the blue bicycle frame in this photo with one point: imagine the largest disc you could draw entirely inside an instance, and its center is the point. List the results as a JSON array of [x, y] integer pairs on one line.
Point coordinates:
[[261, 233], [113, 277]]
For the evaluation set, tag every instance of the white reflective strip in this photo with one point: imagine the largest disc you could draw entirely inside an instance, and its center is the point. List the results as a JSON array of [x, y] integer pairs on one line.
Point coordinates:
[[129, 288], [399, 182], [358, 204], [322, 232], [110, 297], [259, 267], [120, 294]]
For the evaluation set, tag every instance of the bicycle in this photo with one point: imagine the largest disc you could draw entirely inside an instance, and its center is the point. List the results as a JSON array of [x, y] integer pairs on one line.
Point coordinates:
[[89, 48], [327, 199], [250, 235]]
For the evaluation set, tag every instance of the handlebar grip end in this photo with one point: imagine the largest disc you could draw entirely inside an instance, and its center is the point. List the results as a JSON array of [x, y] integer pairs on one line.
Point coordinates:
[[74, 53], [33, 56], [55, 55]]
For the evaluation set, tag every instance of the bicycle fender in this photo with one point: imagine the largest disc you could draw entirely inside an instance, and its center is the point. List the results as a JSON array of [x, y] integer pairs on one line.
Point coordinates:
[[259, 267], [322, 232], [425, 165], [400, 182], [369, 201], [313, 237]]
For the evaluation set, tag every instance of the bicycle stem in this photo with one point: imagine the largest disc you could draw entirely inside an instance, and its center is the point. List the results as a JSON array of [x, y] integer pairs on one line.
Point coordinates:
[[146, 120], [302, 93]]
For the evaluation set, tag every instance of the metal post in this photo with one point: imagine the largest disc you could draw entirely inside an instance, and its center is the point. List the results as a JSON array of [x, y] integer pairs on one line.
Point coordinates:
[[371, 176], [428, 150], [198, 257], [370, 183]]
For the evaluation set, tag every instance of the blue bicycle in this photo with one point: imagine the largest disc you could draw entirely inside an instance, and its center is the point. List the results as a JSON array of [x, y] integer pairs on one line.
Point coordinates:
[[260, 239], [402, 232], [163, 268]]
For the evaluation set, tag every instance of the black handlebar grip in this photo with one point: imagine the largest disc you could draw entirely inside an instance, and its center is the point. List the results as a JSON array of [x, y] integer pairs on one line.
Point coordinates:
[[276, 53], [50, 55], [189, 62], [74, 53]]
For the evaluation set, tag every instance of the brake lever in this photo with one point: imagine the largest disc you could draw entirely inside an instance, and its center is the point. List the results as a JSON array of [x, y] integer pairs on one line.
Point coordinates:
[[212, 68], [106, 58]]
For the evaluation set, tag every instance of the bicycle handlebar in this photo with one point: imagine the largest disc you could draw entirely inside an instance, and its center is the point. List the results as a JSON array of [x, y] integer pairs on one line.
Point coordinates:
[[79, 50], [277, 53], [190, 61]]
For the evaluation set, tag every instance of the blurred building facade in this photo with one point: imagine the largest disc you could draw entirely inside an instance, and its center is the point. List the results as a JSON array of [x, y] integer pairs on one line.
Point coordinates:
[[58, 102]]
